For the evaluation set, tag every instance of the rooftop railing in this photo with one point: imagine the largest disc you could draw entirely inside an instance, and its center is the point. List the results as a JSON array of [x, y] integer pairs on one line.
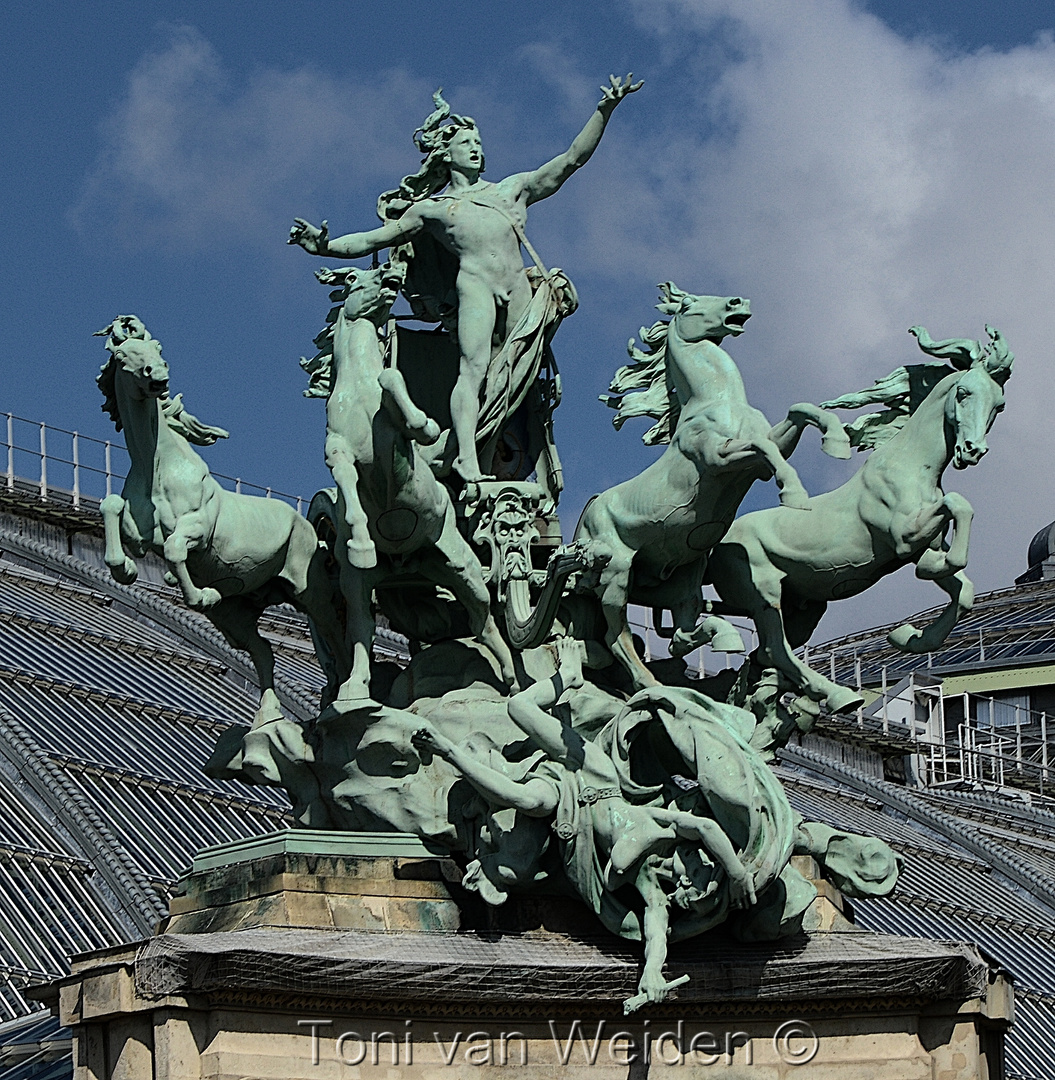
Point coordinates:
[[77, 470]]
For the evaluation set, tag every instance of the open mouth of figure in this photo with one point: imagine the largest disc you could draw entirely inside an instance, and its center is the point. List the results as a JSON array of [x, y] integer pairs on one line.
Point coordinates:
[[738, 319], [159, 386]]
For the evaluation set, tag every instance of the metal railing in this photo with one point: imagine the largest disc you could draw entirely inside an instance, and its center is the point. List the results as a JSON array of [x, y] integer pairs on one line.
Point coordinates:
[[970, 746], [76, 470]]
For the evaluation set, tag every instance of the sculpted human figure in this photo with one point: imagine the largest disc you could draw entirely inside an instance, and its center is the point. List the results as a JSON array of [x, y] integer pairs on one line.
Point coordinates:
[[606, 841], [479, 223]]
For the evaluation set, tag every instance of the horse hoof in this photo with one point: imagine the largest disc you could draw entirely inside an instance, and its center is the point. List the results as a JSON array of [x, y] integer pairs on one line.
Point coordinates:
[[906, 638], [728, 641], [269, 709], [843, 699], [353, 691], [125, 573], [363, 556], [207, 598], [836, 446], [428, 433]]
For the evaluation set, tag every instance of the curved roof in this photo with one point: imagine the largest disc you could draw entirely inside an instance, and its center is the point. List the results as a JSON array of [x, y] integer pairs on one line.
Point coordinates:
[[1008, 627], [112, 697]]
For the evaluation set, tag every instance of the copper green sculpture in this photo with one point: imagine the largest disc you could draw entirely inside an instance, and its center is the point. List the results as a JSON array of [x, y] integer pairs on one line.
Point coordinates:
[[783, 571], [525, 734], [232, 555], [466, 234], [388, 500], [651, 534]]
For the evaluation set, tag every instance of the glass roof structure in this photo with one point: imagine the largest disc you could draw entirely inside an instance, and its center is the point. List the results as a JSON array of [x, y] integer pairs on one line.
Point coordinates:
[[112, 697], [1008, 628]]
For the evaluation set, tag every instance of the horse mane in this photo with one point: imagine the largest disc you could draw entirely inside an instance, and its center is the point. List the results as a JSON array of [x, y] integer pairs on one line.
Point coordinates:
[[901, 393], [176, 416], [320, 366], [643, 387], [906, 388]]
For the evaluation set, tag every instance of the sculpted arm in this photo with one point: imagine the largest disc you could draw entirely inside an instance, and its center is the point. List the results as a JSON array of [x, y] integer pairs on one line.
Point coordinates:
[[547, 179], [316, 241], [534, 796]]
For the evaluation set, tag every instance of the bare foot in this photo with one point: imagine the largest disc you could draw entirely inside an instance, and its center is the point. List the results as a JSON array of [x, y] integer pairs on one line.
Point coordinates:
[[469, 471], [570, 655]]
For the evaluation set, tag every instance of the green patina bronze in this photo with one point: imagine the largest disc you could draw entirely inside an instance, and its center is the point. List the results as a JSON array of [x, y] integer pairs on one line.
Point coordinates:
[[527, 735]]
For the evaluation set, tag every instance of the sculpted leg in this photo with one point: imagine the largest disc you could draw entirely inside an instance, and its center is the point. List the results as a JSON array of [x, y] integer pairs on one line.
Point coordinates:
[[691, 631], [460, 572], [476, 326], [910, 640], [187, 534], [834, 440], [122, 568], [360, 546], [418, 425], [792, 493], [357, 588], [237, 620], [615, 594]]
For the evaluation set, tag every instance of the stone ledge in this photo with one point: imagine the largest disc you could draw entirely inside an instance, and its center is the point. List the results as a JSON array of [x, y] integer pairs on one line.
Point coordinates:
[[469, 967]]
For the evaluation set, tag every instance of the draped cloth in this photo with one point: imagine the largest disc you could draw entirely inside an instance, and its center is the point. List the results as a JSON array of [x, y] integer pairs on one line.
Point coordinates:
[[663, 731]]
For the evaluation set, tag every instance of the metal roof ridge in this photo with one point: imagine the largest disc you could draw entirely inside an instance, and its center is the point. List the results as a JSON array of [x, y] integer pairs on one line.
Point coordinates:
[[1038, 886], [176, 619]]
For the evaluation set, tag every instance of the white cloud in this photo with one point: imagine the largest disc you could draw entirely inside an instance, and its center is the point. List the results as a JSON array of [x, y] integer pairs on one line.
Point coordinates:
[[193, 156], [850, 181], [853, 183]]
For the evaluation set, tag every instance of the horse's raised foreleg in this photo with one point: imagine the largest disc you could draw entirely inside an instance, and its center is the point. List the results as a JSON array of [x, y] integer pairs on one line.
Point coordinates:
[[188, 534], [459, 570], [359, 545], [961, 590], [415, 422], [122, 568], [834, 440], [792, 492]]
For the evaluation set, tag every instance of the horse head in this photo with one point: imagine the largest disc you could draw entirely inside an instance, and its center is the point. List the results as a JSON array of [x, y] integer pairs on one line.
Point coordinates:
[[696, 318], [141, 359], [977, 396], [369, 294]]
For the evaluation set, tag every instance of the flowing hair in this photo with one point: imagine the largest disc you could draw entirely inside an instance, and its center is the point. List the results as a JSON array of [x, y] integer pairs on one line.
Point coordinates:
[[431, 268]]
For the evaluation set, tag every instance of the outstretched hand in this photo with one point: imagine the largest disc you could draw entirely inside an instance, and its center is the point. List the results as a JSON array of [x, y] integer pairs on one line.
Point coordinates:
[[313, 240], [430, 741], [617, 89]]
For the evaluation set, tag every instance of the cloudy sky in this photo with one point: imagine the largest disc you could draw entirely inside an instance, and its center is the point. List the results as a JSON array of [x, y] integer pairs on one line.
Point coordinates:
[[853, 167]]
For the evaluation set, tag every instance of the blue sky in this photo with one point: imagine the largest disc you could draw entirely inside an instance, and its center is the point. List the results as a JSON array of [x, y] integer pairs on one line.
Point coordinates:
[[852, 168]]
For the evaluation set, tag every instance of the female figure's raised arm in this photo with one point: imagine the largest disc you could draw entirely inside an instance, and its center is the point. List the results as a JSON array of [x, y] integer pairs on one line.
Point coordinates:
[[316, 240], [547, 179]]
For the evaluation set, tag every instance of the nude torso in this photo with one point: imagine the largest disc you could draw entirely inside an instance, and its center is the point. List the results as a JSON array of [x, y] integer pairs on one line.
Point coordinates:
[[475, 226]]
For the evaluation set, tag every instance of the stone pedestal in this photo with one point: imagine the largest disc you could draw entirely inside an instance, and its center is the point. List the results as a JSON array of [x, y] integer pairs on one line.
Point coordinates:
[[321, 956]]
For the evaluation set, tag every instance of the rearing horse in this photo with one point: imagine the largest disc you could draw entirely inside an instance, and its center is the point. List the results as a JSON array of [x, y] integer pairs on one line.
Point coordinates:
[[389, 503], [651, 535], [232, 555], [782, 569]]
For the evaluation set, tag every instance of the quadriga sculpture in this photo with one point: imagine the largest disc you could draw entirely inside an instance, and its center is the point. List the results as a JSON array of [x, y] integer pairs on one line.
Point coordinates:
[[651, 534], [232, 555], [784, 568], [388, 502]]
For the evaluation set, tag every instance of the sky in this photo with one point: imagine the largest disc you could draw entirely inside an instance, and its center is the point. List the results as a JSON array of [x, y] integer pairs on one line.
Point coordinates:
[[852, 167]]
